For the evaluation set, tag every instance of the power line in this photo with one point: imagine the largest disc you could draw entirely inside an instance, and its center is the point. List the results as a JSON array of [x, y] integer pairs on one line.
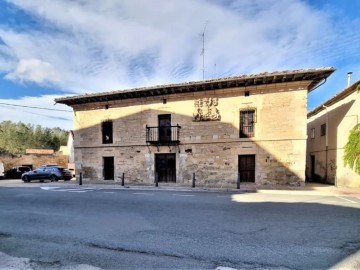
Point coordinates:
[[39, 108], [20, 110]]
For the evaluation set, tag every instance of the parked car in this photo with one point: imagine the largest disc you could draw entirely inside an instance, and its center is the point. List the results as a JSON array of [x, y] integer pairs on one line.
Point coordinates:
[[46, 172], [16, 172]]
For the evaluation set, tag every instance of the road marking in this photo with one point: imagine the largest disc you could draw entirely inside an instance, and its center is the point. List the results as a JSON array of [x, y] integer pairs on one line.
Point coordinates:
[[183, 195], [345, 199], [139, 193], [59, 189], [48, 188], [108, 192], [222, 196]]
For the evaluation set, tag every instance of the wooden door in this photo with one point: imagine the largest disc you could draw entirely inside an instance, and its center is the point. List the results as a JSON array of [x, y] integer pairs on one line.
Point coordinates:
[[108, 168], [247, 168], [164, 127], [165, 165]]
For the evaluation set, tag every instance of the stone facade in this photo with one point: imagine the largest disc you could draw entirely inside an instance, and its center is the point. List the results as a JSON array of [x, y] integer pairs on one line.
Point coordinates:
[[208, 148], [324, 159], [209, 142]]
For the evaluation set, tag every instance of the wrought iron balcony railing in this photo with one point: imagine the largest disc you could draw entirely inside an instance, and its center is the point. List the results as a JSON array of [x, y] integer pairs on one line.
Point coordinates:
[[166, 134]]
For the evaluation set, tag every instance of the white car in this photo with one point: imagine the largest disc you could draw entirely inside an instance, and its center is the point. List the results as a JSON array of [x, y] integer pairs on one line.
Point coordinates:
[[2, 171]]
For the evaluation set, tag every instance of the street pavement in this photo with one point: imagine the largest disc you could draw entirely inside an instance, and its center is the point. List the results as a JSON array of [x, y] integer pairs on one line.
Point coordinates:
[[67, 226]]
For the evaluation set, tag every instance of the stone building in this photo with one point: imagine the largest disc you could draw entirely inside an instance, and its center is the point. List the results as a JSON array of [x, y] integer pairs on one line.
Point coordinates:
[[328, 131], [249, 125]]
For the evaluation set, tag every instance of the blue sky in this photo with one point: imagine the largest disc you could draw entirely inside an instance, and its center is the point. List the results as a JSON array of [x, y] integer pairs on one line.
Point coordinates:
[[57, 48]]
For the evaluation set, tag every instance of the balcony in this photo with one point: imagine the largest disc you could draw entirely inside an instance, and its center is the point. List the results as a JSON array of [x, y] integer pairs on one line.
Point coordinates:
[[163, 135]]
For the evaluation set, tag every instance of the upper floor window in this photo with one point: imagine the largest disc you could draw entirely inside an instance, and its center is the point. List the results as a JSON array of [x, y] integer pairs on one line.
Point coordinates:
[[323, 130], [247, 123], [107, 132], [312, 133]]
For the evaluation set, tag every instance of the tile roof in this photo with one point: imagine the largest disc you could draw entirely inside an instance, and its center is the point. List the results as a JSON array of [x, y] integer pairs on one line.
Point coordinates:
[[315, 75]]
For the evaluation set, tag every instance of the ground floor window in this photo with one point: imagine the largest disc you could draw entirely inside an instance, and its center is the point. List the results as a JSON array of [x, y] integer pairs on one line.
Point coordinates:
[[165, 167], [108, 168], [247, 168]]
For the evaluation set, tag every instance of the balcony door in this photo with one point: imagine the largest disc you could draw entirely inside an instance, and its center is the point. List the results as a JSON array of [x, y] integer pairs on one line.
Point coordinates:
[[164, 127], [165, 165]]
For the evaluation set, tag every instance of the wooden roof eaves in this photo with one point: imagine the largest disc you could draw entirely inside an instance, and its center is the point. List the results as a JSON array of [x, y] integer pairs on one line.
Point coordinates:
[[316, 75]]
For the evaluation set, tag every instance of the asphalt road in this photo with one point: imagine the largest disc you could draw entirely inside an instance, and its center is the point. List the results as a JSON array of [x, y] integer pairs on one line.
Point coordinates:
[[59, 228]]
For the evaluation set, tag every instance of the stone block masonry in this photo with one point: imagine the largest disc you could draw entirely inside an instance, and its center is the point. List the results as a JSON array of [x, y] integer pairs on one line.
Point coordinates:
[[211, 149]]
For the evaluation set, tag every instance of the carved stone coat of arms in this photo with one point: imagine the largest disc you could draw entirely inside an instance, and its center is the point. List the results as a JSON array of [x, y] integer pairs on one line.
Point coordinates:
[[206, 110]]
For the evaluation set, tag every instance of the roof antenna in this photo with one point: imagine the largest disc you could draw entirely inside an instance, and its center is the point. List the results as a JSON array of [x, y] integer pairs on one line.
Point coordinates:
[[203, 49]]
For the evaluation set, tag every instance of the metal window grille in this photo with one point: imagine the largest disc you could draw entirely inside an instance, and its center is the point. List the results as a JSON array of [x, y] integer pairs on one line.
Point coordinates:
[[247, 120]]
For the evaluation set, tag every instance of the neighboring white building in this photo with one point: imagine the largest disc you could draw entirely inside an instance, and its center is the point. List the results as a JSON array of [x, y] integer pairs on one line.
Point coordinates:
[[328, 131]]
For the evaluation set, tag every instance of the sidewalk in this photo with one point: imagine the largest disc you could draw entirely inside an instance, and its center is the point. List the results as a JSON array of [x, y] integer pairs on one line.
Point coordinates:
[[309, 188]]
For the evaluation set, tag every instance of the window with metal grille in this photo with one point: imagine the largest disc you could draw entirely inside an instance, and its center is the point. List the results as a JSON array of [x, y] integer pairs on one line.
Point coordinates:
[[247, 126], [107, 132], [323, 130]]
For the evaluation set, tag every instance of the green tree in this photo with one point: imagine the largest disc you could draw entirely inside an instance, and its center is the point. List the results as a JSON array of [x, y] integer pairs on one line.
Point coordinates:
[[352, 149], [15, 138]]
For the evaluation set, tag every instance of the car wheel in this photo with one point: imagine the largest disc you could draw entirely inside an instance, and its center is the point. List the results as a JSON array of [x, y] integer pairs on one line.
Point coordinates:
[[26, 179], [53, 178]]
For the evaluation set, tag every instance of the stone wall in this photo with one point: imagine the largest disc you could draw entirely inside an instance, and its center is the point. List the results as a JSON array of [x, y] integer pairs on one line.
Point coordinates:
[[34, 160], [208, 148]]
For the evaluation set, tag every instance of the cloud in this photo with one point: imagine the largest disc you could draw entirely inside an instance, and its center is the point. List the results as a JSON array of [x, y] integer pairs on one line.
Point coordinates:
[[34, 70], [29, 114], [122, 44], [83, 46]]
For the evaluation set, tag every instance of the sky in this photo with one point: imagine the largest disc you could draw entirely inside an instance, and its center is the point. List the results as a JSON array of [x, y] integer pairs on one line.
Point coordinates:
[[55, 48]]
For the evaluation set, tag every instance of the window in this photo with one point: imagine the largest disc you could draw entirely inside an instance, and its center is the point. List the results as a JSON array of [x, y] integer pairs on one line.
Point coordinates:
[[323, 130], [247, 120], [312, 133], [107, 132]]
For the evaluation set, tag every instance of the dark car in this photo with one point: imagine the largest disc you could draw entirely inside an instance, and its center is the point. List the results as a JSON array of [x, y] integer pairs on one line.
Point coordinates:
[[16, 172], [46, 172]]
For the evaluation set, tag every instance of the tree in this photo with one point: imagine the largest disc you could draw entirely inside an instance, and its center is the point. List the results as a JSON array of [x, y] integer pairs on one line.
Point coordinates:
[[352, 149], [15, 138]]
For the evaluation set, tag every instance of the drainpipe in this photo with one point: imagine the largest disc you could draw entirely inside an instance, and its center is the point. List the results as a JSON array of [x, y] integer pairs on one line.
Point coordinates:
[[326, 142]]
